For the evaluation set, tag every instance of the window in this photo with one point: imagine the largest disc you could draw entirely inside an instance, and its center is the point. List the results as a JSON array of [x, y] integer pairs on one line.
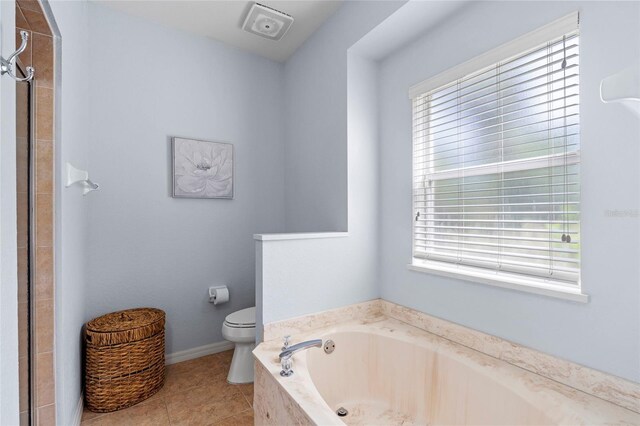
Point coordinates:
[[496, 162]]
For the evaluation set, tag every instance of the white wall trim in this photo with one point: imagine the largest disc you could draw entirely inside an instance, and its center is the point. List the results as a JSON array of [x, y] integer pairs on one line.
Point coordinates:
[[299, 236], [478, 276], [77, 413], [199, 351]]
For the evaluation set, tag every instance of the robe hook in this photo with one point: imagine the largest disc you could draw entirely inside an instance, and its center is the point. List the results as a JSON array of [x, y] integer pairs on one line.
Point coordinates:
[[6, 65]]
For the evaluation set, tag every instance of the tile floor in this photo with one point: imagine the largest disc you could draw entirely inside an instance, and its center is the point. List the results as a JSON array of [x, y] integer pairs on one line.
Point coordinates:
[[195, 393]]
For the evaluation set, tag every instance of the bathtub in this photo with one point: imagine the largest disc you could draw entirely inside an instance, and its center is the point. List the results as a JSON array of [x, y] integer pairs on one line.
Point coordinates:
[[390, 373]]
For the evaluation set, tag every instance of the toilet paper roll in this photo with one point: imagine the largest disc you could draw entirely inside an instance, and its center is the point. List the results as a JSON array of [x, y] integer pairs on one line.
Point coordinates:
[[218, 295]]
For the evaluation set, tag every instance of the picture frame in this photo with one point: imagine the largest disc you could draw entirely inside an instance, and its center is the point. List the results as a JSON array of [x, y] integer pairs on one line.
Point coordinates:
[[202, 169]]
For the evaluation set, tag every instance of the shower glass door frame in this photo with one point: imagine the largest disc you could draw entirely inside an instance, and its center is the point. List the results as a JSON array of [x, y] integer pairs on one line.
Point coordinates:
[[31, 270]]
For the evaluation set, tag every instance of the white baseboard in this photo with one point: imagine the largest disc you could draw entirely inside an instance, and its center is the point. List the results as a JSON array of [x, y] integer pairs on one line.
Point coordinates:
[[77, 414], [197, 352]]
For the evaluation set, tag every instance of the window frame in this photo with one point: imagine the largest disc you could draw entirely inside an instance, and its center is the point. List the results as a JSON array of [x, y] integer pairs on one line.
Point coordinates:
[[511, 280]]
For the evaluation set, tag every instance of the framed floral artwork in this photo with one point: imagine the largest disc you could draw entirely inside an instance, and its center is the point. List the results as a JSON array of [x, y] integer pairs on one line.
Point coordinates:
[[202, 169]]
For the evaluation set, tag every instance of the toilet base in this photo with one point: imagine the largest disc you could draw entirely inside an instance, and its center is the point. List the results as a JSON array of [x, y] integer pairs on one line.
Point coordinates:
[[241, 370]]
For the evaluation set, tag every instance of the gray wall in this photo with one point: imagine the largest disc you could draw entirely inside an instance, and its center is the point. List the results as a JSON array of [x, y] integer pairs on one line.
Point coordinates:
[[316, 119], [331, 112], [603, 333], [302, 275], [71, 207], [147, 249]]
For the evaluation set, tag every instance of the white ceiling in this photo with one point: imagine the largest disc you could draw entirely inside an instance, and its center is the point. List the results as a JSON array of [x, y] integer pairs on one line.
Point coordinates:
[[222, 20]]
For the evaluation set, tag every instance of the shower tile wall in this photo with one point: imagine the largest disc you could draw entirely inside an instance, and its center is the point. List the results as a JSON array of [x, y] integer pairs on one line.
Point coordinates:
[[39, 54]]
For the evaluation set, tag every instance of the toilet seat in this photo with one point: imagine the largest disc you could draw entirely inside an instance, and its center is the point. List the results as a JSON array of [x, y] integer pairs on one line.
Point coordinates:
[[245, 318]]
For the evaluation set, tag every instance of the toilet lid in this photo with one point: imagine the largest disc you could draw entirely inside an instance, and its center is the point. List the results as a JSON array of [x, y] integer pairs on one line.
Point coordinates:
[[244, 317]]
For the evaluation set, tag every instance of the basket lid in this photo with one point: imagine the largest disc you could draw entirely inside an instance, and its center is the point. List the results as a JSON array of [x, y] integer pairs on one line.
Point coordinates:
[[125, 326], [125, 320]]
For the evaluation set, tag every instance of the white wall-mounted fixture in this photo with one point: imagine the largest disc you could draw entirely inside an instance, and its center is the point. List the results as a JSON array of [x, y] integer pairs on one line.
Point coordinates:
[[75, 175], [623, 87], [218, 294], [267, 22]]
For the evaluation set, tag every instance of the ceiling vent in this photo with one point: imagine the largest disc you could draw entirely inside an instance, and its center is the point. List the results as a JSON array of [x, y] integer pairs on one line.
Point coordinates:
[[267, 22]]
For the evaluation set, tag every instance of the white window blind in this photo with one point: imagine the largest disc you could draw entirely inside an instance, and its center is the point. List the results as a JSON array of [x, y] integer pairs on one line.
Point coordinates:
[[496, 164]]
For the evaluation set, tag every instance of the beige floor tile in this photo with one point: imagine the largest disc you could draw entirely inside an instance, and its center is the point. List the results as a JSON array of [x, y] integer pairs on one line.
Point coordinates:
[[182, 377], [89, 415], [195, 393], [215, 362], [153, 398], [249, 399], [247, 391], [152, 414], [243, 419], [204, 405], [197, 372], [158, 396]]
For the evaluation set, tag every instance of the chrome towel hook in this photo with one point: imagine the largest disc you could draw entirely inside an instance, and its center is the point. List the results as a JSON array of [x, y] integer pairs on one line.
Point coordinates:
[[6, 65]]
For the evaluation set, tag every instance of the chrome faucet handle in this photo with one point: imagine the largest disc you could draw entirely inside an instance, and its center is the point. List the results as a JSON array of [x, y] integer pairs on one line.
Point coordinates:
[[286, 363], [287, 342]]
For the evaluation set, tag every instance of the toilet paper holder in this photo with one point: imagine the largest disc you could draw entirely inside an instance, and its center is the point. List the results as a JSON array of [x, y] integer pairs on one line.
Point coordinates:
[[218, 294]]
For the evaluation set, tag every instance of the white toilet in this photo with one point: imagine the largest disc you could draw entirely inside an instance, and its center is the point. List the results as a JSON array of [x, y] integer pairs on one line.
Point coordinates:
[[240, 328]]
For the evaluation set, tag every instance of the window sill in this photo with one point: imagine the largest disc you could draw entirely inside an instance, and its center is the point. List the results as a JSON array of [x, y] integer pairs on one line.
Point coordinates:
[[489, 278]]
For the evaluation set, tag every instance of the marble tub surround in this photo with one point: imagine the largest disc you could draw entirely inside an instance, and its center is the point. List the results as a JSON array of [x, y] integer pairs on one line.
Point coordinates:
[[365, 311], [273, 405], [609, 388], [605, 386], [426, 379]]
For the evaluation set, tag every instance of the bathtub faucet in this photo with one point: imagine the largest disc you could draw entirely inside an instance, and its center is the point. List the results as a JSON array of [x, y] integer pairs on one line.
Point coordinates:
[[288, 351]]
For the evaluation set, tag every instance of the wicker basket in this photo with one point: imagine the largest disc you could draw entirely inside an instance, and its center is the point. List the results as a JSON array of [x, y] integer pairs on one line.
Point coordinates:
[[124, 358]]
